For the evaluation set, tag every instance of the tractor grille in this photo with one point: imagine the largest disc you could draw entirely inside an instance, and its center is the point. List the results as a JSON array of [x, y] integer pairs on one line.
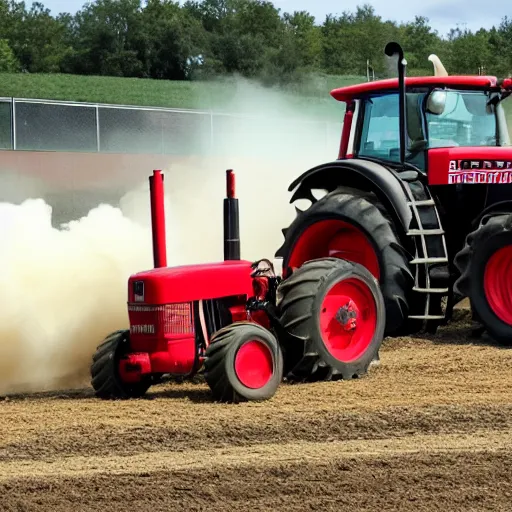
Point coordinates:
[[168, 319], [216, 315]]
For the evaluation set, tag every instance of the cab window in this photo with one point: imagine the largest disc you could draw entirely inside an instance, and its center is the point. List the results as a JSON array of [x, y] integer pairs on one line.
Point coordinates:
[[380, 137]]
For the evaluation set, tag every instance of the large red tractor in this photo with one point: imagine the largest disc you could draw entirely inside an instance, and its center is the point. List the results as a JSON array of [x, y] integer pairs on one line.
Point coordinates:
[[421, 195], [414, 216]]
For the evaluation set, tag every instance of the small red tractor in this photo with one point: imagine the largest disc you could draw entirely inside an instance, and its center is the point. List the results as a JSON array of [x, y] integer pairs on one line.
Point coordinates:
[[238, 321], [414, 216]]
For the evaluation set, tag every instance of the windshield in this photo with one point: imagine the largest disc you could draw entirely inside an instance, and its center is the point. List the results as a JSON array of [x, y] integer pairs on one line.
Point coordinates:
[[466, 120]]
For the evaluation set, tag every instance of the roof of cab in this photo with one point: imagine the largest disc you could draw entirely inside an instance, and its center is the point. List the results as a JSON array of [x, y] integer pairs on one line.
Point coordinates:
[[356, 91]]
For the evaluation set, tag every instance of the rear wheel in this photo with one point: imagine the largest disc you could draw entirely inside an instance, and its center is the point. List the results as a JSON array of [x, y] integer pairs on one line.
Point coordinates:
[[335, 312], [106, 381], [243, 363], [352, 225], [485, 265]]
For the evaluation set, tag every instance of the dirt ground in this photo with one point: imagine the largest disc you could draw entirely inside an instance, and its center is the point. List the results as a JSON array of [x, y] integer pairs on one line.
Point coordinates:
[[429, 429]]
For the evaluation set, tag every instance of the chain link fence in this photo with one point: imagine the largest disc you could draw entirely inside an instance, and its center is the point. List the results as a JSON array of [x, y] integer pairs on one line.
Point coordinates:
[[37, 125]]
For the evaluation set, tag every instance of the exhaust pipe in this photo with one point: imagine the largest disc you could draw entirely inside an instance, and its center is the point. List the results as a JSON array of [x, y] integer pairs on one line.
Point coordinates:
[[156, 189], [231, 220], [391, 50]]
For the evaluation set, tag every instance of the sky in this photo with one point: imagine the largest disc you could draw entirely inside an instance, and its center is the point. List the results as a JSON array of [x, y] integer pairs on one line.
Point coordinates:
[[443, 14]]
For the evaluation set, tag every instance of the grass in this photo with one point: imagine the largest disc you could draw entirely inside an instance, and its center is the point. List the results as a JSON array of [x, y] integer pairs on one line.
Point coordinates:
[[310, 97]]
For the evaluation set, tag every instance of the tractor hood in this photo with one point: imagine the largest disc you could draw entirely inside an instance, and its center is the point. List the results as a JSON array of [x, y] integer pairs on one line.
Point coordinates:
[[190, 282], [471, 165]]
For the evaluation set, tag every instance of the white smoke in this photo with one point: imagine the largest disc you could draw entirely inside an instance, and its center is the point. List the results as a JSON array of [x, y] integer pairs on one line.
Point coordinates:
[[61, 291]]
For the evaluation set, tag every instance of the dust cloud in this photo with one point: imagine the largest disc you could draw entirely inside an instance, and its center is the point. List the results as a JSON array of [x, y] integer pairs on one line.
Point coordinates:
[[63, 290], [269, 140]]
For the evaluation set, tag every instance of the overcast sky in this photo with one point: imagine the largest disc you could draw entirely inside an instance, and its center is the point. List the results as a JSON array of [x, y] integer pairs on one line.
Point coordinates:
[[443, 14]]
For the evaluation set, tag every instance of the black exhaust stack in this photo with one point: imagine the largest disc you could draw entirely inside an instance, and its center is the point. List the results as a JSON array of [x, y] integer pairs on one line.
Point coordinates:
[[231, 220], [394, 49]]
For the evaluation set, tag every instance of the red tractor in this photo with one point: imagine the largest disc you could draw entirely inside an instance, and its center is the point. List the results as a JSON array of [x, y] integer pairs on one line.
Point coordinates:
[[414, 216], [238, 322], [421, 196]]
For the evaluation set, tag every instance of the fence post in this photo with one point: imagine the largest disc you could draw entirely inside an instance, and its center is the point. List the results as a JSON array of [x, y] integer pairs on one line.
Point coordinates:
[[98, 145], [13, 123], [212, 139]]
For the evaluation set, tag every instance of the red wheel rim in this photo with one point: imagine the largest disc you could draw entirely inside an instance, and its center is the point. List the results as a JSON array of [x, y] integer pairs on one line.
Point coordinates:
[[254, 364], [335, 238], [348, 319], [498, 283]]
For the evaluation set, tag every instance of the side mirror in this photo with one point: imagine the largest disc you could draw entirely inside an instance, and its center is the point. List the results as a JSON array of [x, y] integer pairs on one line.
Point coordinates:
[[436, 102]]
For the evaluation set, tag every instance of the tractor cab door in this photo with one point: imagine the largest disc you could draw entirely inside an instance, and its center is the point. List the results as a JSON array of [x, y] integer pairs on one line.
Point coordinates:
[[416, 131], [380, 129]]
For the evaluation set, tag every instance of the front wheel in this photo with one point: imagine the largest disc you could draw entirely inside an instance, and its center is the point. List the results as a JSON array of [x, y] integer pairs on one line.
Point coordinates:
[[335, 312], [243, 363], [106, 381]]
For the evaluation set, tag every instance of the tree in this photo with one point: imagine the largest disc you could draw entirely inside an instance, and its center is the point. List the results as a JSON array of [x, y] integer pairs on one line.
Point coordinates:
[[352, 39], [173, 37], [500, 46], [307, 38], [8, 62], [36, 38], [166, 40], [109, 39], [469, 52], [420, 41]]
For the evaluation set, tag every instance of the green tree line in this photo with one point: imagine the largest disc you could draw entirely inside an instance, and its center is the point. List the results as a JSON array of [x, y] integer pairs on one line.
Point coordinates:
[[201, 39]]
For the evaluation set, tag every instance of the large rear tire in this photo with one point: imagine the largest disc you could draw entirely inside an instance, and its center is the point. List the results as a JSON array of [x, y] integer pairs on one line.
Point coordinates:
[[243, 363], [335, 312], [485, 266], [353, 225], [106, 381]]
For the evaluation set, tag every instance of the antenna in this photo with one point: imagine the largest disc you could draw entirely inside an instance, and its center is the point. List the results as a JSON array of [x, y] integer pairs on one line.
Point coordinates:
[[370, 72]]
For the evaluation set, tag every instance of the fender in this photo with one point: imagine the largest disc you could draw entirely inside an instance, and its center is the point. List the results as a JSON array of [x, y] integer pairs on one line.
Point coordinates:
[[363, 175], [501, 208]]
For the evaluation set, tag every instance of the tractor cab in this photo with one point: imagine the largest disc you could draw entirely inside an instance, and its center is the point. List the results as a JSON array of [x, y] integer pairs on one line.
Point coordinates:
[[448, 120]]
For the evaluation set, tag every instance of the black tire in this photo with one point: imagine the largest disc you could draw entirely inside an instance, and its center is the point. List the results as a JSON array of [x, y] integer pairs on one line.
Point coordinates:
[[104, 370], [491, 236], [368, 215], [219, 366], [300, 299]]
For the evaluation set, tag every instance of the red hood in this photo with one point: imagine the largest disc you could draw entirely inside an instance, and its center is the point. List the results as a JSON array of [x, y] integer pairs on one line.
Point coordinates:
[[192, 282], [477, 165]]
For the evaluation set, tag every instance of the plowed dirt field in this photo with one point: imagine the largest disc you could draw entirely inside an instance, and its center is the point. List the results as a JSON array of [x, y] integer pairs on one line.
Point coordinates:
[[429, 429]]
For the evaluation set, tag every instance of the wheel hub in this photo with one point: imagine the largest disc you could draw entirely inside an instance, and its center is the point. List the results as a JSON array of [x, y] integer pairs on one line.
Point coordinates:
[[347, 316], [498, 283], [254, 364]]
